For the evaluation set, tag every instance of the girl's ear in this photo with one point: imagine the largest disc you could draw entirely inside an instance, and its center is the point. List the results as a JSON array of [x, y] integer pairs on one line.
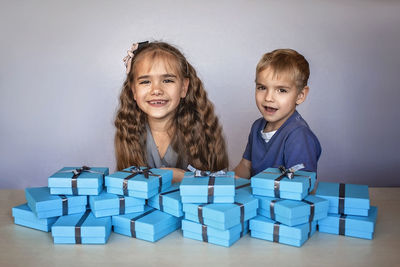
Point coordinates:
[[133, 92], [301, 97], [185, 87]]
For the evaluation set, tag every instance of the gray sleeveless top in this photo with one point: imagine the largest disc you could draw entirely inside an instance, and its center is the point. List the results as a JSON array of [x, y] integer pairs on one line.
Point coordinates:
[[153, 157]]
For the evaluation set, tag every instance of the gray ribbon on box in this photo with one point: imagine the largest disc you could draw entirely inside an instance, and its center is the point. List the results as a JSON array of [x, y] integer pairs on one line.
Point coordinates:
[[342, 224], [342, 193], [121, 204], [289, 173], [64, 200], [312, 209], [211, 181], [276, 232], [77, 172], [242, 232], [241, 206], [272, 208], [136, 171], [78, 233], [200, 213], [160, 197], [133, 220], [204, 233]]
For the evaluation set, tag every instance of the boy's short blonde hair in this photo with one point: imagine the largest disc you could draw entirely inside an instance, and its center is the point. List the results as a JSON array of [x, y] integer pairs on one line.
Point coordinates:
[[286, 62]]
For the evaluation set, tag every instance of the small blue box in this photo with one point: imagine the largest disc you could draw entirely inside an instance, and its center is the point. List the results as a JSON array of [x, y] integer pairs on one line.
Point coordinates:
[[350, 225], [267, 229], [170, 200], [224, 216], [81, 228], [132, 182], [77, 181], [350, 199], [242, 183], [293, 212], [272, 183], [208, 189], [107, 204], [24, 216], [45, 205], [150, 225], [211, 235]]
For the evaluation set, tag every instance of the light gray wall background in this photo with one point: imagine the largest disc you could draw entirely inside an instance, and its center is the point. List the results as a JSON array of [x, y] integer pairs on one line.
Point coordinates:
[[61, 72]]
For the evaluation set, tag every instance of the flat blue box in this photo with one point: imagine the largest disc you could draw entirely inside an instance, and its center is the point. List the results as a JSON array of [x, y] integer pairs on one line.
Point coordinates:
[[60, 183], [356, 198], [150, 227], [46, 205], [224, 238], [138, 186], [263, 228], [24, 216], [107, 204], [226, 215], [293, 212], [354, 226], [171, 201], [93, 230], [195, 189], [297, 188]]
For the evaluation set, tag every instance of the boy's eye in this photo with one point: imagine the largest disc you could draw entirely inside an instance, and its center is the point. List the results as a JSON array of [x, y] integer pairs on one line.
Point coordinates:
[[260, 87], [282, 90], [168, 81]]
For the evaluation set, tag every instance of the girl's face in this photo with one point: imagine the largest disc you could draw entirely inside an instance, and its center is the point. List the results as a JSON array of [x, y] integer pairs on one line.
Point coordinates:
[[157, 88]]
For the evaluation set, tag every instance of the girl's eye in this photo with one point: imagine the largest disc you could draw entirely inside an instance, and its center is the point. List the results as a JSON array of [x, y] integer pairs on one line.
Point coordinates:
[[261, 87], [144, 82]]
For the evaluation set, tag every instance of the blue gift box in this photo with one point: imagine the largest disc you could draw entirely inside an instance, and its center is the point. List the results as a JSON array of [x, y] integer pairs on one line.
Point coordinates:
[[45, 205], [77, 181], [81, 228], [208, 189], [169, 201], [267, 229], [212, 235], [350, 225], [293, 212], [272, 183], [24, 216], [150, 225], [350, 199], [107, 204], [242, 184], [223, 216], [141, 183]]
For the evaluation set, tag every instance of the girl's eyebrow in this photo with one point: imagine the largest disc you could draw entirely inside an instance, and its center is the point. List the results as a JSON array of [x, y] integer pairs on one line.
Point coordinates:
[[167, 75]]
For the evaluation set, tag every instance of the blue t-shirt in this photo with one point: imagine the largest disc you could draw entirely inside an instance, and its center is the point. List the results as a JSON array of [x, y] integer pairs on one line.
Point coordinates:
[[293, 143]]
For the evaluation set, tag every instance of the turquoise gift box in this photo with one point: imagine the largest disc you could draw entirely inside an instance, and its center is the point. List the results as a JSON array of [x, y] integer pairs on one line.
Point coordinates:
[[24, 216], [77, 181], [81, 228], [138, 182], [150, 225], [350, 225], [267, 229], [224, 216], [107, 204], [46, 205], [272, 183], [350, 199], [211, 235], [293, 212], [206, 188], [169, 201]]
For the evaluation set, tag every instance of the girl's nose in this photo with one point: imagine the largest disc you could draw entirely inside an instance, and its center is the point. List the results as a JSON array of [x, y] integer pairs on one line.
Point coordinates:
[[156, 89]]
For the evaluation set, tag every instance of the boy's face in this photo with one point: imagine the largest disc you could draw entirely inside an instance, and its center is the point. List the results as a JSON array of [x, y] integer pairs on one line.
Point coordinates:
[[277, 97]]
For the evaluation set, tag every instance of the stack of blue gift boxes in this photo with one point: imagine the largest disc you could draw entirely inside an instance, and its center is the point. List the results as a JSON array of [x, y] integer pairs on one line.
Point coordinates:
[[274, 205]]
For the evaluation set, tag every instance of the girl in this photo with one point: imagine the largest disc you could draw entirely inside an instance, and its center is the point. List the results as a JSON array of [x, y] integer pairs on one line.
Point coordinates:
[[165, 118]]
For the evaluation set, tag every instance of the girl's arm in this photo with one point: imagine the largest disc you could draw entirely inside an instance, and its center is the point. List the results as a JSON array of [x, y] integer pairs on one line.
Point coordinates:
[[177, 174], [243, 169]]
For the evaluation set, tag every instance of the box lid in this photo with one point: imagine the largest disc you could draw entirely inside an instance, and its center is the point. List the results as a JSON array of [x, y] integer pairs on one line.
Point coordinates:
[[88, 178], [198, 186], [210, 231], [301, 182], [139, 182], [352, 195], [110, 201], [169, 197], [24, 212], [39, 199]]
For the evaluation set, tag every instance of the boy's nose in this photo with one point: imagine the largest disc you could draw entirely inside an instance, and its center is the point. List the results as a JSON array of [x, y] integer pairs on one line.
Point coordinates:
[[269, 96]]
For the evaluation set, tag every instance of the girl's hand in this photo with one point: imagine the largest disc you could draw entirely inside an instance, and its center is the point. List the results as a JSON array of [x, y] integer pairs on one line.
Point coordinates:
[[177, 174]]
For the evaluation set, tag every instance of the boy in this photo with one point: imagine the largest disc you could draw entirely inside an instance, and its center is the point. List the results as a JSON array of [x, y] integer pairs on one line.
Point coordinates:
[[281, 136]]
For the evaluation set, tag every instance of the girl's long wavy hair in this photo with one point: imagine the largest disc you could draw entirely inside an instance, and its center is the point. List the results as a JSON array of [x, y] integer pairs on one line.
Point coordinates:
[[196, 134]]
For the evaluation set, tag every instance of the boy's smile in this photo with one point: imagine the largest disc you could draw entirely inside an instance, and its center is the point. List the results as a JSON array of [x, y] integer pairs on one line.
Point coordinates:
[[277, 97]]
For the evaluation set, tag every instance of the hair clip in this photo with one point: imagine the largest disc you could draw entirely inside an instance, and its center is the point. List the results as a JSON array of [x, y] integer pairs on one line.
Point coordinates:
[[131, 53]]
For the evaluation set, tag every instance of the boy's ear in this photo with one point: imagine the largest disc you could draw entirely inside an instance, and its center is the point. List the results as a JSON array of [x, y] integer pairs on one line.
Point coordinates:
[[301, 97], [185, 87]]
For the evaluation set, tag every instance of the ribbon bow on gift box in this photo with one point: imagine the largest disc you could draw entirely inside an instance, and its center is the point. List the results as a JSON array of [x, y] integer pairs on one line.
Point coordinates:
[[77, 172], [136, 171], [200, 173], [290, 171]]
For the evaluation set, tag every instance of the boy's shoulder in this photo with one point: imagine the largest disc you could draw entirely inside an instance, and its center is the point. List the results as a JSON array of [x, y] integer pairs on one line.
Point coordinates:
[[258, 124]]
